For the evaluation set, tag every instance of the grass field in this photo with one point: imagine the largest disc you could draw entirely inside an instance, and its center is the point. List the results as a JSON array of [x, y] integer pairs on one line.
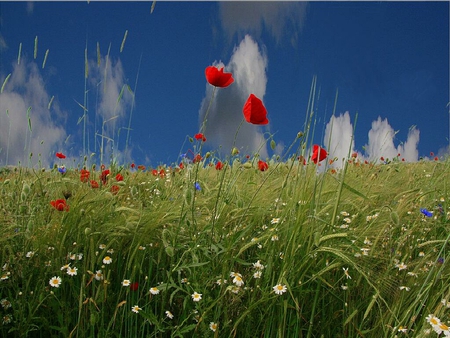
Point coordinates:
[[236, 252]]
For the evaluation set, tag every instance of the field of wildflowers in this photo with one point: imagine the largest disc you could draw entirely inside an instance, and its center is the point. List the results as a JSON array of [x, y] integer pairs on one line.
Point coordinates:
[[234, 247]]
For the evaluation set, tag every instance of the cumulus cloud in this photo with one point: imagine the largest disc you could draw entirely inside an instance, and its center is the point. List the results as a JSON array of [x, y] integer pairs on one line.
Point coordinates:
[[381, 142], [113, 102], [279, 18], [338, 141], [338, 137], [24, 90], [248, 65]]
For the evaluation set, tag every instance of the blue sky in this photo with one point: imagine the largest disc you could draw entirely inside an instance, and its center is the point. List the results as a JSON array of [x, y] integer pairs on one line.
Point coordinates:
[[388, 60]]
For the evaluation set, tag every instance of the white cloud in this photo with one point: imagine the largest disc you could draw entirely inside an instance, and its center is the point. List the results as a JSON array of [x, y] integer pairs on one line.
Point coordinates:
[[30, 7], [25, 88], [338, 141], [338, 138], [250, 17], [248, 65], [113, 107]]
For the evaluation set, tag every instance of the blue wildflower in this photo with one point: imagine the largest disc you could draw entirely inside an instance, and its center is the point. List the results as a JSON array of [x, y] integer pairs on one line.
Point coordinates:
[[197, 186], [426, 212], [62, 169]]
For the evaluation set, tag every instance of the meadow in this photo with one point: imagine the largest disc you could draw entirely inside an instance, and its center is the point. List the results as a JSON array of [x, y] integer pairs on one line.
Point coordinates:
[[290, 246], [237, 250]]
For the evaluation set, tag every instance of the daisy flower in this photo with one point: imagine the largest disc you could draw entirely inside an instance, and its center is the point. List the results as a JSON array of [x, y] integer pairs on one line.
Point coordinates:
[[98, 275], [5, 303], [257, 274], [401, 266], [136, 309], [238, 280], [196, 297], [213, 326], [55, 282], [72, 271], [154, 290], [107, 260], [258, 265], [126, 282], [29, 254], [279, 289], [169, 314]]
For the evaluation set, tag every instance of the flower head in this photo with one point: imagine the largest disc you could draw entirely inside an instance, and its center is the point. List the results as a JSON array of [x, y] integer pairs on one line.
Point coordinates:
[[169, 314], [126, 282], [196, 297], [107, 260], [279, 289], [154, 290], [197, 186], [94, 184], [60, 205], [119, 177], [219, 165], [136, 309], [60, 155], [84, 175], [426, 212], [319, 154], [263, 166], [72, 271], [55, 282], [200, 136], [213, 326], [217, 77], [254, 111], [62, 169]]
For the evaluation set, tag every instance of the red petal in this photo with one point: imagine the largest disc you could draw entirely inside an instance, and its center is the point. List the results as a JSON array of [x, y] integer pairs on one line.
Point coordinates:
[[217, 77], [254, 111]]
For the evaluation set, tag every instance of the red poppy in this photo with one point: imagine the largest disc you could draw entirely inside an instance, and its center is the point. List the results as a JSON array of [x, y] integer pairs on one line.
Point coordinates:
[[133, 165], [162, 173], [115, 189], [134, 286], [355, 155], [60, 205], [60, 155], [94, 184], [200, 136], [436, 158], [119, 177], [217, 77], [84, 175], [181, 165], [155, 172], [141, 167], [319, 154], [254, 111], [104, 176], [197, 158], [219, 165], [263, 166]]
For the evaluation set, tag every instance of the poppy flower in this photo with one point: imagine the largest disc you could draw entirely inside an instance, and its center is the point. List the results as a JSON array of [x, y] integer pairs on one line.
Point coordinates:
[[319, 154], [263, 166], [200, 136], [162, 173], [133, 165], [217, 77], [94, 184], [60, 205], [60, 155], [119, 177], [254, 111], [114, 189], [181, 165], [84, 175], [219, 165], [141, 167], [134, 286], [104, 176], [155, 172], [197, 158]]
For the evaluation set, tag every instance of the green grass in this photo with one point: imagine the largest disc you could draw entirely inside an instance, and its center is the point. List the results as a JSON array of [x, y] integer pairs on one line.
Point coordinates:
[[162, 232]]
